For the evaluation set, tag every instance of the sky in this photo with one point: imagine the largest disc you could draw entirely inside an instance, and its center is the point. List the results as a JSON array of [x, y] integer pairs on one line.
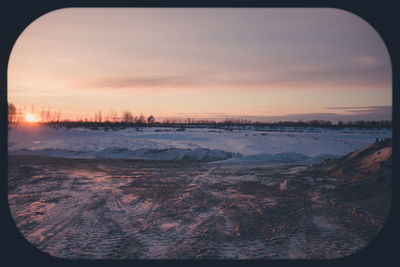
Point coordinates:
[[256, 63]]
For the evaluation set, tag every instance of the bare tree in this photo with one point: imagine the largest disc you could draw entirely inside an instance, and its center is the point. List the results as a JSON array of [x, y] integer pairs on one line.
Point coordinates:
[[127, 116], [150, 119], [19, 115], [113, 116], [141, 119], [12, 113], [58, 116], [98, 116], [48, 115], [42, 115], [107, 118]]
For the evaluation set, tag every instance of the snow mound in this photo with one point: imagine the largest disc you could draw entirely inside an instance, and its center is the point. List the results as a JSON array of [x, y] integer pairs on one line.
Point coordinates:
[[370, 163], [48, 152], [175, 154], [161, 143], [288, 157], [284, 157]]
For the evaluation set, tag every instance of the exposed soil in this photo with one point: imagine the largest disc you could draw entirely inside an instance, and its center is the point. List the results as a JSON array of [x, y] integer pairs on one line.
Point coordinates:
[[372, 163]]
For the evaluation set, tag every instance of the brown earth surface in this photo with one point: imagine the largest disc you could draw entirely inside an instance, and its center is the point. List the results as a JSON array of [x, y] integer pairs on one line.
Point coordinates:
[[370, 163]]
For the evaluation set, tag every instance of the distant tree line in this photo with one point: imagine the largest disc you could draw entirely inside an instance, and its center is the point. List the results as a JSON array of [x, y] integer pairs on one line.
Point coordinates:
[[17, 115], [362, 124], [128, 119], [182, 123], [12, 113]]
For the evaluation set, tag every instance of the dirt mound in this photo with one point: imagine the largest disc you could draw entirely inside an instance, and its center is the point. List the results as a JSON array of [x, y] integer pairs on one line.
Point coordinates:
[[370, 163]]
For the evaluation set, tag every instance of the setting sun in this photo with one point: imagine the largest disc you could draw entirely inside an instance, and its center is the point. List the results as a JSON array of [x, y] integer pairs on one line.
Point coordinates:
[[30, 118]]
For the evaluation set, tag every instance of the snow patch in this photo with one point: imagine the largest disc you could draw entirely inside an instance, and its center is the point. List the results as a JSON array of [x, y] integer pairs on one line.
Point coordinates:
[[244, 144], [283, 185], [324, 223]]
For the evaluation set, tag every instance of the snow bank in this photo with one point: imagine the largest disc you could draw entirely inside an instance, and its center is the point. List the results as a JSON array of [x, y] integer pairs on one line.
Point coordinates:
[[176, 154], [372, 162], [194, 144], [179, 154]]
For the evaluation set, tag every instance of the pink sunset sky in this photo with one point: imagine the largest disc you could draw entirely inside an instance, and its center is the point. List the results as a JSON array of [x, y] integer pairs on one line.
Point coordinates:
[[263, 64]]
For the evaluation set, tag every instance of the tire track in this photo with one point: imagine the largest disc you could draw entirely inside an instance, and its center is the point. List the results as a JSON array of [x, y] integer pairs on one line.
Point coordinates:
[[156, 210]]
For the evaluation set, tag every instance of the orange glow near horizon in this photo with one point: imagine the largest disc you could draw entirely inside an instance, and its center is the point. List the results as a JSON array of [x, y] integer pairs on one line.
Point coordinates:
[[262, 63], [30, 118]]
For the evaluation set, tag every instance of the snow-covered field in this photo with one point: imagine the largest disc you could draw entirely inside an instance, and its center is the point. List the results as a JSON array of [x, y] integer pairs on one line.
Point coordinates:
[[194, 144], [224, 194]]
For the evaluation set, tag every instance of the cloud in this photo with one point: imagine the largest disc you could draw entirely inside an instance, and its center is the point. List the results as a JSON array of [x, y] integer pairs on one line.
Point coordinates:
[[200, 113], [139, 81], [361, 107], [365, 109], [365, 62], [319, 77], [178, 79]]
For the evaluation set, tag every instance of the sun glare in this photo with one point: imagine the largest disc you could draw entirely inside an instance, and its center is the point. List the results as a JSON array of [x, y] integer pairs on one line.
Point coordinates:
[[30, 118]]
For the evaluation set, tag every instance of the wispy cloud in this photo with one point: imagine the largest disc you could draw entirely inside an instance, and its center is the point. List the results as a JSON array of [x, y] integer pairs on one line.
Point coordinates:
[[365, 62], [365, 109], [122, 82], [201, 113], [318, 77], [362, 107]]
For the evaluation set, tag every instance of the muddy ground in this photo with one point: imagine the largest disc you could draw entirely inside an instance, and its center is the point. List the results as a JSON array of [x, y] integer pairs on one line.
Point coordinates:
[[119, 209]]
